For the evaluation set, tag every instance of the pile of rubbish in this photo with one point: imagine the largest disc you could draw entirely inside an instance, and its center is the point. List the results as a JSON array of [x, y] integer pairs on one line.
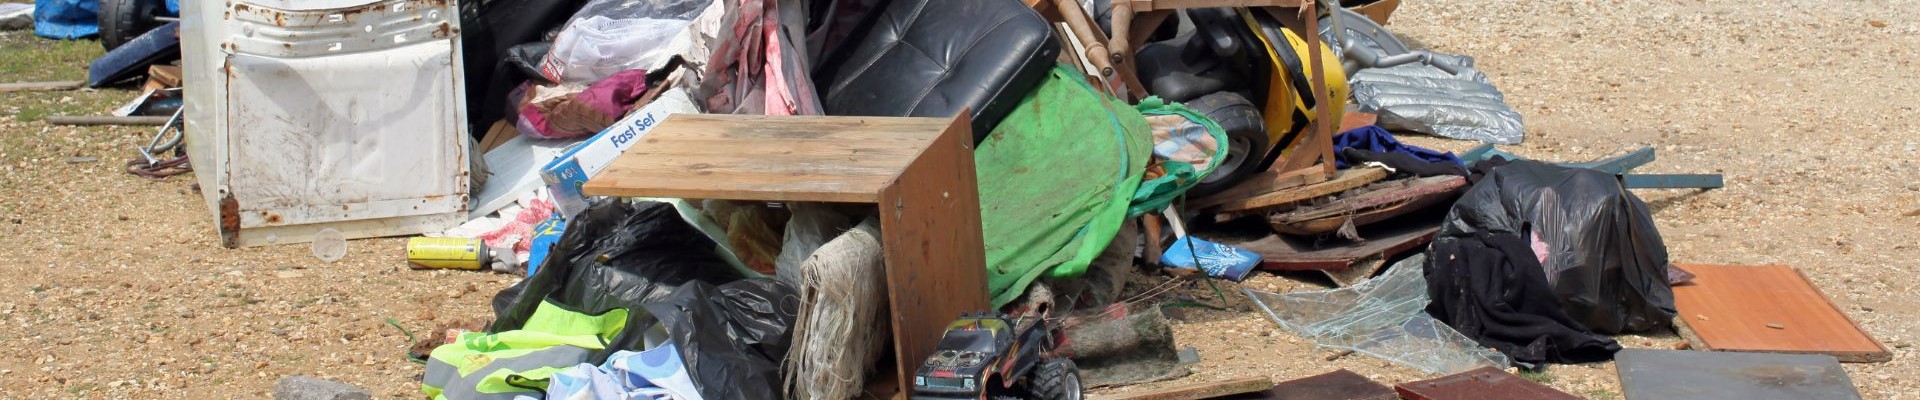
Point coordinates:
[[765, 199]]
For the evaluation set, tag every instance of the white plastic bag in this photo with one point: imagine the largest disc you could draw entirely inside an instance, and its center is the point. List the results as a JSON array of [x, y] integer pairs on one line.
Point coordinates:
[[609, 36]]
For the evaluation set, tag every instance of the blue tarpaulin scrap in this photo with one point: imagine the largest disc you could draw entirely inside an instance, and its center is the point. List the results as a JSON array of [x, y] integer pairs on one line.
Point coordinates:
[[66, 19]]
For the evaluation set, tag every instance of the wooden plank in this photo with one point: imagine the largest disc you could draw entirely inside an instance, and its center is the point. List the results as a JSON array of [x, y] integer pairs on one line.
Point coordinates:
[[936, 258], [1731, 308], [1343, 180], [1200, 390], [1484, 383], [1340, 384], [1263, 182], [89, 120], [1282, 253], [735, 186], [40, 86], [1371, 204], [769, 158]]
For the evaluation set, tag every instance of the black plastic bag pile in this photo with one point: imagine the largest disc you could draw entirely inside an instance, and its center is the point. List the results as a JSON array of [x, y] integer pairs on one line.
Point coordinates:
[[1540, 261], [731, 332]]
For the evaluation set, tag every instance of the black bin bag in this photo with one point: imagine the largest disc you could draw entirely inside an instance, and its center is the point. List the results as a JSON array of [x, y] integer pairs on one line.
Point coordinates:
[[732, 337], [616, 255], [1603, 256]]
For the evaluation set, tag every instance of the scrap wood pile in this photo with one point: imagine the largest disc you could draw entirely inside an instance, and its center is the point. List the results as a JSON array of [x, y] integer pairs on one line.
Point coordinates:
[[761, 199]]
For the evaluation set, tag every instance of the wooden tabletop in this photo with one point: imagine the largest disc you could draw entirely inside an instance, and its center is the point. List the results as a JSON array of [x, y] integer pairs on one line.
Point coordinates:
[[768, 158]]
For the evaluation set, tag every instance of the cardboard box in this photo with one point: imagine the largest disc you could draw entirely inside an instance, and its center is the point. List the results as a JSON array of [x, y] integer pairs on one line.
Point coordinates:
[[566, 174]]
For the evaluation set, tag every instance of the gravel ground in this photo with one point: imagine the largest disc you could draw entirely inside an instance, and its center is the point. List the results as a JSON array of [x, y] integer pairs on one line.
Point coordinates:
[[120, 289]]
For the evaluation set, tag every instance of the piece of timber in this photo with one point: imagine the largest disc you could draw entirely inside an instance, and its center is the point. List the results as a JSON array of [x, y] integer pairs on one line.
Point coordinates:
[[1199, 391], [1673, 181], [40, 86], [1263, 182], [1337, 385], [1368, 205], [1730, 308], [1285, 253], [1485, 383], [84, 120], [1342, 181]]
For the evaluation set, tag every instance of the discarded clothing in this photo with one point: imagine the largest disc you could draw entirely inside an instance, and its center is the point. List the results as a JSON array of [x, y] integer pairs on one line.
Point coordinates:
[[1373, 139], [1056, 178], [569, 111], [504, 364], [653, 374], [1601, 253], [1403, 165], [1489, 286]]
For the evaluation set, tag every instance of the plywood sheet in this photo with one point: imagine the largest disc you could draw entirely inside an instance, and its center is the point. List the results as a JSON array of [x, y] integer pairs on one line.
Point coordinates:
[[1769, 308], [1485, 383], [1674, 374], [1199, 391]]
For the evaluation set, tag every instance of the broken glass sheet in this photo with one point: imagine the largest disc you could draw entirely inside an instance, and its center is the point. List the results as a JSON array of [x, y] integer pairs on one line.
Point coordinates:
[[1383, 317]]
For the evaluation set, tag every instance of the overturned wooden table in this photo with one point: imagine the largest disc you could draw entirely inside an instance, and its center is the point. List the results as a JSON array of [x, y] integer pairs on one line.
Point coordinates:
[[917, 171]]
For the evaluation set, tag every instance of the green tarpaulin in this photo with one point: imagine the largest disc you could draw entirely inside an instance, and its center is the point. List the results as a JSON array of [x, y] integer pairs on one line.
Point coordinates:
[[1056, 177]]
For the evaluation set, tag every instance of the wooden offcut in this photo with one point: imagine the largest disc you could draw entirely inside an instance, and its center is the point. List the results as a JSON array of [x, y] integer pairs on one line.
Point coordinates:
[[1484, 383], [1344, 180], [40, 86], [1337, 385], [1199, 390], [1368, 205], [918, 172], [1261, 183], [1729, 308]]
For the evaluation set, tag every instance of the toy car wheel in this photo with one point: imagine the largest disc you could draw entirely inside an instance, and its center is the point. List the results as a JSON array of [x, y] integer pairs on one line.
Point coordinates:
[[1057, 379], [1246, 140]]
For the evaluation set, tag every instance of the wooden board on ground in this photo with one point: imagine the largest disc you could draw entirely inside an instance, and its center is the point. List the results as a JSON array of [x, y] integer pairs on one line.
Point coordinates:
[[1199, 391], [918, 171], [1485, 383], [1344, 180], [40, 86], [1674, 374], [1337, 385], [1368, 205], [1384, 241], [1772, 309]]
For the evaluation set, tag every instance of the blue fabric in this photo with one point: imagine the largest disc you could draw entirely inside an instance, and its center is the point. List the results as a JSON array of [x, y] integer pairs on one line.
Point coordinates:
[[655, 374], [173, 7], [1373, 138], [66, 19]]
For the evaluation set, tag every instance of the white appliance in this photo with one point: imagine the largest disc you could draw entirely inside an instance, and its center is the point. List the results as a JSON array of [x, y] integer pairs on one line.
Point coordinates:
[[304, 115]]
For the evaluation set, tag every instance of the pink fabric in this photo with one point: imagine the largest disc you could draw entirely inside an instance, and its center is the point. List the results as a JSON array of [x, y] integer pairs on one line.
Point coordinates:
[[567, 111], [518, 233]]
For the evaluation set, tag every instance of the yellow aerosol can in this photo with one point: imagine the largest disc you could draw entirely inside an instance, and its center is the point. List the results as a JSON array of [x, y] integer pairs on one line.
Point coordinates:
[[447, 253]]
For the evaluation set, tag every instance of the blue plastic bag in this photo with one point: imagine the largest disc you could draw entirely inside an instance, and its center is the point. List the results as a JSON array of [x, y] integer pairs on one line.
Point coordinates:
[[66, 19], [1216, 259]]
